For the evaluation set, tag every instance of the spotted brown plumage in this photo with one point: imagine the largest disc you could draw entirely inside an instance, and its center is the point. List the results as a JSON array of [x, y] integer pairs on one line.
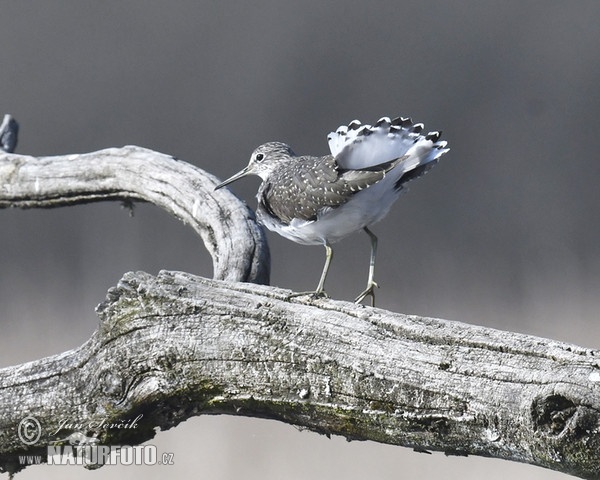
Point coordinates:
[[314, 185]]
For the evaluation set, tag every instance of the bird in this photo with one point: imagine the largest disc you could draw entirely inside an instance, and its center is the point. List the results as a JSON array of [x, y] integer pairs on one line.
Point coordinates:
[[319, 200]]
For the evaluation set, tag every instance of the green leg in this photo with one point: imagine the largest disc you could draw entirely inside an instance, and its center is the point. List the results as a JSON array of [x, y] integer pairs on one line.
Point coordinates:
[[320, 291], [369, 291], [328, 256]]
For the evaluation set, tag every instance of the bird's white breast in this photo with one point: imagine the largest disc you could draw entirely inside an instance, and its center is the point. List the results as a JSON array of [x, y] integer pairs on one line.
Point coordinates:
[[363, 209]]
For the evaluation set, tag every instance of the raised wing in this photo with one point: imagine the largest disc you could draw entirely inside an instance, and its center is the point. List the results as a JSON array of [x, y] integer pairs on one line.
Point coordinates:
[[360, 146]]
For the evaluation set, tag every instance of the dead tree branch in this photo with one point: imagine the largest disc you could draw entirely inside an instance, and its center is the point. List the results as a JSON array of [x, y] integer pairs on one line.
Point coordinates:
[[230, 233], [174, 346]]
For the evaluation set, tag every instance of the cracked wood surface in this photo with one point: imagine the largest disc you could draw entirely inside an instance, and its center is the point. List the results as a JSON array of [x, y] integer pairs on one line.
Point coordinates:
[[177, 345], [230, 233]]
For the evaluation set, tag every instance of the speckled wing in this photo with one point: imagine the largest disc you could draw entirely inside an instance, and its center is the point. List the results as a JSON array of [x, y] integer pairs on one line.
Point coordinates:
[[313, 185], [359, 146]]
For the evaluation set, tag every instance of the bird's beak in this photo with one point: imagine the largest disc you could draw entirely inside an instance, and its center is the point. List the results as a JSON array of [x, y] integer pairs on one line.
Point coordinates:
[[233, 178]]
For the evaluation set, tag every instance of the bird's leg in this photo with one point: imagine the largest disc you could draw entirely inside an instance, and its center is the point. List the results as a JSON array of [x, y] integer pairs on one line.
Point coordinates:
[[370, 282], [320, 291], [328, 256]]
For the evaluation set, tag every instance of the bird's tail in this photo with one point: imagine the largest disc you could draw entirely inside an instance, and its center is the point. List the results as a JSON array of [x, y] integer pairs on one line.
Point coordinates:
[[358, 146]]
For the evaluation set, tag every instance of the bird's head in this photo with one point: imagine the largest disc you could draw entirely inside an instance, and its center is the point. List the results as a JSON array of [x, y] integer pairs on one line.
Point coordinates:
[[263, 161]]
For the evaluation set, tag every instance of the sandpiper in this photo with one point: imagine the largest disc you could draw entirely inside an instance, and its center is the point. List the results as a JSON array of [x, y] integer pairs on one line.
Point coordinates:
[[320, 200]]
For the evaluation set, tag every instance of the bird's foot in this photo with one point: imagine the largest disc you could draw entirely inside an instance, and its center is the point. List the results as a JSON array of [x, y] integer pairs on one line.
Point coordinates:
[[313, 295], [367, 292]]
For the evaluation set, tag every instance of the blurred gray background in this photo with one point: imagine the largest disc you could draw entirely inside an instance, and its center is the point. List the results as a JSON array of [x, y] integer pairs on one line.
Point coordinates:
[[503, 232]]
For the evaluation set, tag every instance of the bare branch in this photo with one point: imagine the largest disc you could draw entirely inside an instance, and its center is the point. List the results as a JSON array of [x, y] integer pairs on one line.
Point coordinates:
[[9, 134], [230, 233], [174, 346]]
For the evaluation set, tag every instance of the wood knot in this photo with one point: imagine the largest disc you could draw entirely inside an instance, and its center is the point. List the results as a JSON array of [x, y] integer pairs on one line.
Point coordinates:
[[552, 414]]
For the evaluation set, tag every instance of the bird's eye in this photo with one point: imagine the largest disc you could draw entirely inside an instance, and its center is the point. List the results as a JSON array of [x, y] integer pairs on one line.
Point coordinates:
[[259, 157]]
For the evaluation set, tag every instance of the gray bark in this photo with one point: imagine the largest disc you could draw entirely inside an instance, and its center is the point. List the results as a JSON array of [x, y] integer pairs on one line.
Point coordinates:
[[174, 346], [230, 233]]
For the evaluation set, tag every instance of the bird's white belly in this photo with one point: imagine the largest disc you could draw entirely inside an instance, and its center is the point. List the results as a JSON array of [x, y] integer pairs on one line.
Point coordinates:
[[362, 210]]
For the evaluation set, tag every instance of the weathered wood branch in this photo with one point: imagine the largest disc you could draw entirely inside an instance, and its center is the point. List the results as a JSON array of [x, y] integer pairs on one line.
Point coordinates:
[[230, 233], [9, 134], [176, 345]]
